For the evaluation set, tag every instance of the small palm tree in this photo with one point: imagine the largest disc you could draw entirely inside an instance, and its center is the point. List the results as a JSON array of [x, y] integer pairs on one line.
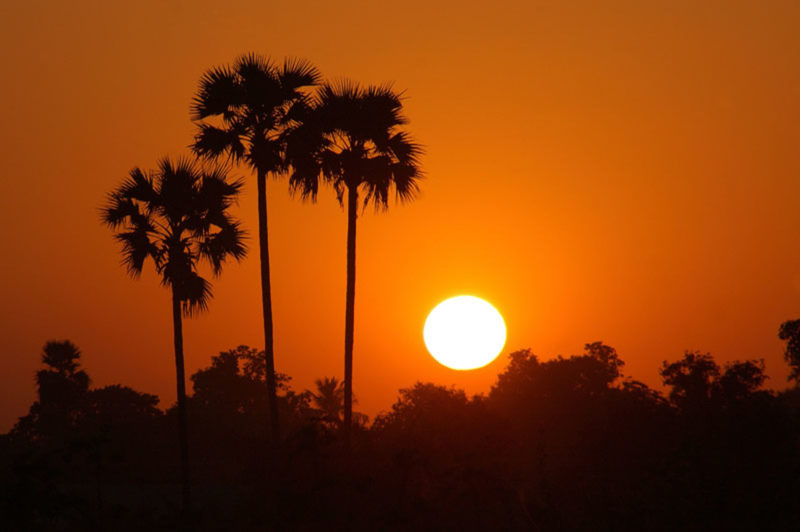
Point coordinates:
[[61, 390], [177, 216], [329, 399], [252, 103], [352, 138]]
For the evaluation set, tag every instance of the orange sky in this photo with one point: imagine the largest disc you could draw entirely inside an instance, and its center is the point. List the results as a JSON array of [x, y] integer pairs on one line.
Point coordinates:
[[625, 173]]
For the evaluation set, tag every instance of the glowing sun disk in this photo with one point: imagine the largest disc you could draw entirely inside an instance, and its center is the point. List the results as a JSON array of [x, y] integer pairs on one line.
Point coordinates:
[[464, 332]]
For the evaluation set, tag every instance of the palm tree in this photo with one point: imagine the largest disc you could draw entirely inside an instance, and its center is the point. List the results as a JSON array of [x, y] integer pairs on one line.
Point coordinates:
[[61, 389], [352, 138], [252, 103], [177, 216], [329, 399]]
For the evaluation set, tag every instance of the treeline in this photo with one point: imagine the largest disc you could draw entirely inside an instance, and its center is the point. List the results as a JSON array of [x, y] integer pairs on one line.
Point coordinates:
[[563, 444]]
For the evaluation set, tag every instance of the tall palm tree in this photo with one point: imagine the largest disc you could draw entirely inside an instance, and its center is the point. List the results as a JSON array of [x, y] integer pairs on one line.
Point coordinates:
[[177, 216], [353, 139], [242, 111]]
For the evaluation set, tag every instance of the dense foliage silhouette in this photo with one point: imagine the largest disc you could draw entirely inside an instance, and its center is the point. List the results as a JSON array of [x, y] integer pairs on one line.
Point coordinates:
[[790, 333], [569, 443]]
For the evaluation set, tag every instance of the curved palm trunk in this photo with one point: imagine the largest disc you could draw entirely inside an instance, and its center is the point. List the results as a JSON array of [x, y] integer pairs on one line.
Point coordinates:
[[183, 436], [352, 205], [266, 305]]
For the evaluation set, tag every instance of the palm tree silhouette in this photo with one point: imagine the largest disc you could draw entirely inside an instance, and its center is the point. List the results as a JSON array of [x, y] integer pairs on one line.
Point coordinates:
[[352, 139], [177, 216], [329, 399], [253, 102]]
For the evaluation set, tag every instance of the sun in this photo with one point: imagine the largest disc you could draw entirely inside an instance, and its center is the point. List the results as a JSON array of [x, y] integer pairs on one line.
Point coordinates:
[[464, 332]]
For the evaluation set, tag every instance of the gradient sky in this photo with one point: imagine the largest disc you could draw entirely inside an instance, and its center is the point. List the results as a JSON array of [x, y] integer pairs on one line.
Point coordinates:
[[618, 171]]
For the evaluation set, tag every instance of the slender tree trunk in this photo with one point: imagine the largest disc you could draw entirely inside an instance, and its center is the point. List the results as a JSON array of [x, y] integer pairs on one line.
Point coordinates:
[[183, 434], [352, 206], [266, 305]]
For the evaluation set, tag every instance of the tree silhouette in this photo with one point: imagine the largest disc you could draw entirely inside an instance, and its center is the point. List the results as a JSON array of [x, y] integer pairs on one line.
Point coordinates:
[[527, 380], [697, 382], [228, 408], [61, 389], [790, 333], [691, 378], [177, 216], [253, 102], [740, 380], [224, 386], [329, 399], [352, 138], [564, 443], [63, 383]]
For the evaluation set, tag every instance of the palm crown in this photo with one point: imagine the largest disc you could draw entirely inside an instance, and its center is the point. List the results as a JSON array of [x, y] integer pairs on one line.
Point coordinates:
[[329, 398], [351, 138], [254, 101], [177, 216]]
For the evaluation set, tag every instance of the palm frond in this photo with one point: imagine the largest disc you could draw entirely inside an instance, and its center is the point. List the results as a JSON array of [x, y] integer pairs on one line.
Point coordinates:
[[210, 142], [303, 144], [366, 115], [377, 182], [194, 293], [261, 86], [305, 182], [337, 106], [339, 189], [136, 247], [405, 170], [177, 189], [299, 110], [298, 73], [333, 163], [381, 111], [119, 210], [252, 63], [214, 192], [228, 241], [217, 93], [342, 89], [403, 148], [139, 186], [406, 179]]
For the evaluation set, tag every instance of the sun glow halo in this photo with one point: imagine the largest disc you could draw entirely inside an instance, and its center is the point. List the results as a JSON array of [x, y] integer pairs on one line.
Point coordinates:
[[464, 332]]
